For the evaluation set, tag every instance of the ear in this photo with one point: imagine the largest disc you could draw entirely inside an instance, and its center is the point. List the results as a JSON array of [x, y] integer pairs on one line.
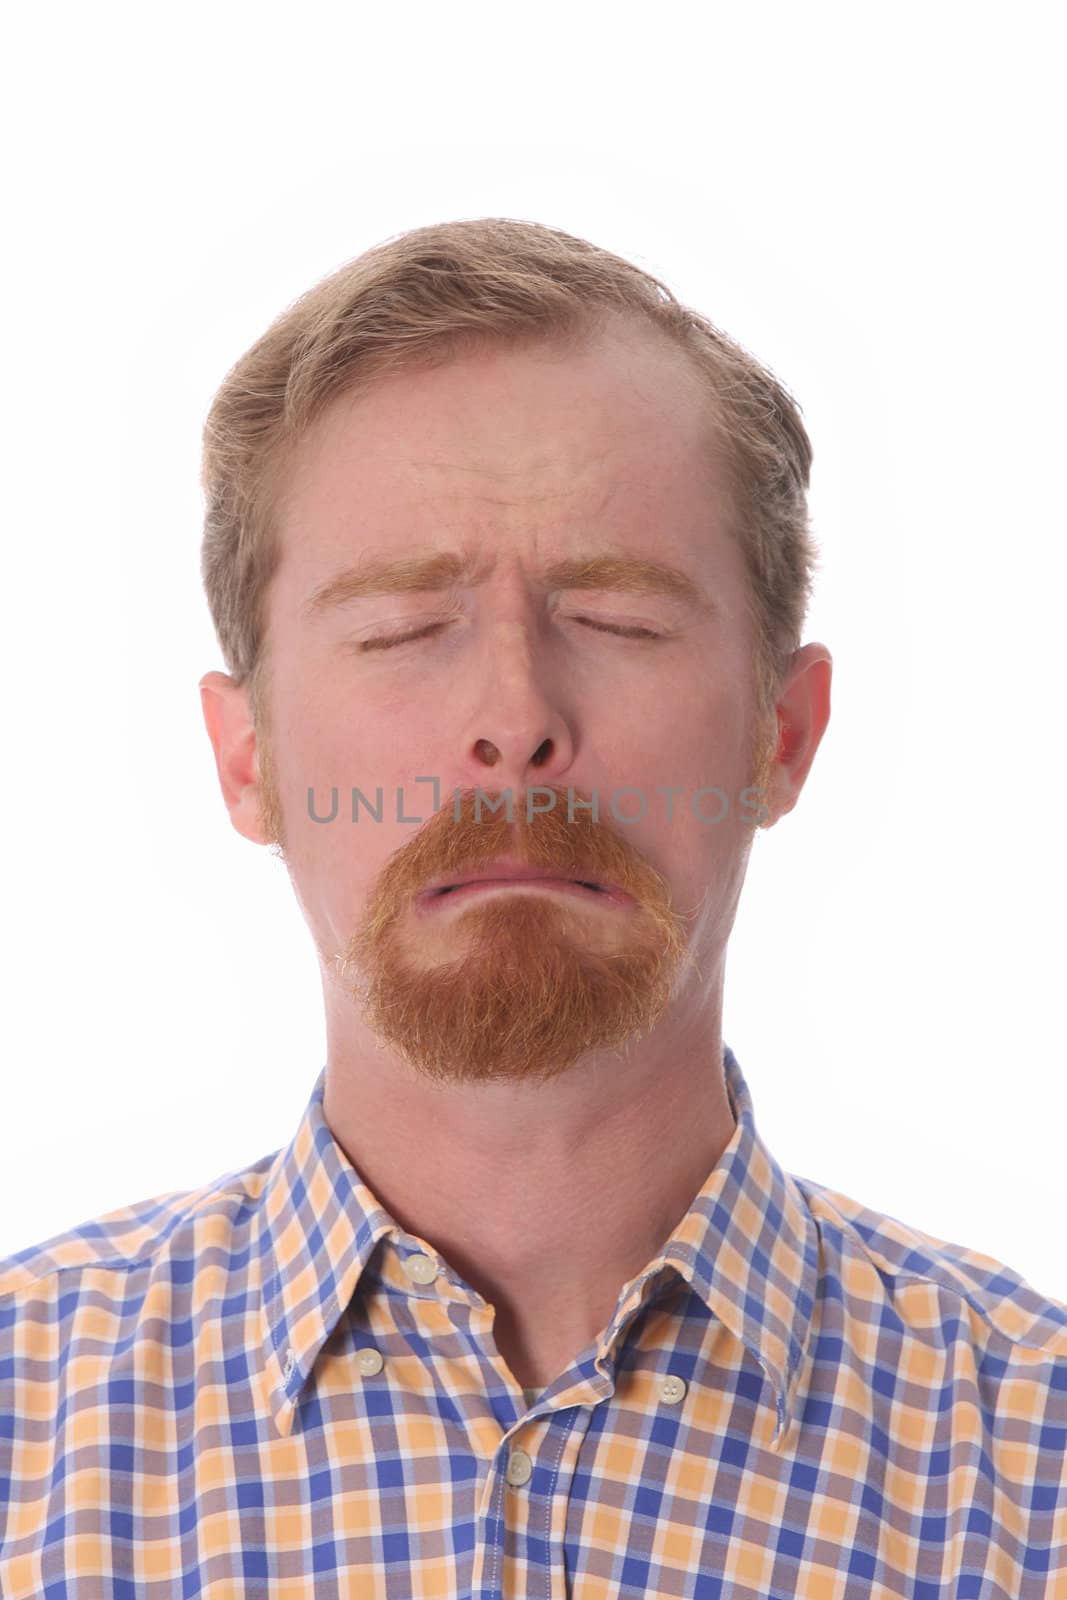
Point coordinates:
[[803, 713], [228, 720]]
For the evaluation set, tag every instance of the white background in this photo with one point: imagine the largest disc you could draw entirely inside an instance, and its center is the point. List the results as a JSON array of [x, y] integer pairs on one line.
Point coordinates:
[[870, 199]]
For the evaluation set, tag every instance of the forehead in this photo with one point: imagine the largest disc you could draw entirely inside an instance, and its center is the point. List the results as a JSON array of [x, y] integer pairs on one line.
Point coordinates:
[[535, 448]]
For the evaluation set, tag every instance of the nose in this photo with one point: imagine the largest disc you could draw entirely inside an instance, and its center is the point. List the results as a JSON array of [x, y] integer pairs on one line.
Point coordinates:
[[519, 729]]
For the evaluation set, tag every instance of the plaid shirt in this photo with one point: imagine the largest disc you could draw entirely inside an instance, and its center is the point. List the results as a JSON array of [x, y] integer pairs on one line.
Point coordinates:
[[266, 1387]]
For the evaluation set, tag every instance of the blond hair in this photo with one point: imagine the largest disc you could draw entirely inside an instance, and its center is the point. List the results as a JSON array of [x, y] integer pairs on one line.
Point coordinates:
[[423, 297]]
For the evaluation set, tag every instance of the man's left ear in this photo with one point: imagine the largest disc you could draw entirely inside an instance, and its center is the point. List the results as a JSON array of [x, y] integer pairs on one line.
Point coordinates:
[[803, 713]]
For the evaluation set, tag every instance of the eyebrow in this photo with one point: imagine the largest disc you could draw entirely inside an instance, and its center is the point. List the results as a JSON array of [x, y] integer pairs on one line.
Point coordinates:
[[444, 569]]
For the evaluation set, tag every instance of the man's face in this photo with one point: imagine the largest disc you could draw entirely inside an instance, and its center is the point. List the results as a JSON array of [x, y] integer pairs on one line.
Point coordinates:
[[510, 677]]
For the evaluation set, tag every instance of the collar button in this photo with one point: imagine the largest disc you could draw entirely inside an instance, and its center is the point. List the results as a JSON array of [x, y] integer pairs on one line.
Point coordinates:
[[420, 1269]]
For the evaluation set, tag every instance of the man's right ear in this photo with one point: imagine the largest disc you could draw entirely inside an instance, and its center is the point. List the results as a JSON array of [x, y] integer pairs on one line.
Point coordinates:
[[228, 719]]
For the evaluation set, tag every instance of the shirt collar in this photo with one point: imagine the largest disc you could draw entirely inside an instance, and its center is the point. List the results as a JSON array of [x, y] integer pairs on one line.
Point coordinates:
[[747, 1246]]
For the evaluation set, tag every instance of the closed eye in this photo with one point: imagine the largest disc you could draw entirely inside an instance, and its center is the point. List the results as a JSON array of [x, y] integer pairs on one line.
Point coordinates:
[[626, 633], [389, 643]]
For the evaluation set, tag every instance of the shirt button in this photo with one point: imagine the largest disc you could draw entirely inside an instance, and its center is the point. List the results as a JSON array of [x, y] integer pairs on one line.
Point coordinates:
[[290, 1363], [519, 1467], [420, 1269], [369, 1361], [672, 1390]]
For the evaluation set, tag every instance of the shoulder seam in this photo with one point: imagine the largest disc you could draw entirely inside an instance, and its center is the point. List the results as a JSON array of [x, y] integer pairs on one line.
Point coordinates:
[[943, 1278], [167, 1224]]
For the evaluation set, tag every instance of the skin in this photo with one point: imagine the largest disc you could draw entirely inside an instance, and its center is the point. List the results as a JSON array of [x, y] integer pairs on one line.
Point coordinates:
[[530, 1080]]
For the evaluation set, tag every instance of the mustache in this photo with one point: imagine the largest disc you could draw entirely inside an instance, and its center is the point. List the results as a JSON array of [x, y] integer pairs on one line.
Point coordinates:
[[462, 842]]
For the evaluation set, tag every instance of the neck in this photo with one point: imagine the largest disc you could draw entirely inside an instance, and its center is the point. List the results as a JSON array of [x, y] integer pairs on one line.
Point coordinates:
[[546, 1198]]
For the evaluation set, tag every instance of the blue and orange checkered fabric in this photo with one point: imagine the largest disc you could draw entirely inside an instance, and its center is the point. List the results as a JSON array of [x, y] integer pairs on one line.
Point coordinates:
[[266, 1387]]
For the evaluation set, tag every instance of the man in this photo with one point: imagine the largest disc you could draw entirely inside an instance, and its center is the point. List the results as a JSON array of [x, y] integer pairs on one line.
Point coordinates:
[[508, 557]]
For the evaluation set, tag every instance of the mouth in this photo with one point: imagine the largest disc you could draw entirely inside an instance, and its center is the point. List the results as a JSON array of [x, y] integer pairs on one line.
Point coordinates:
[[523, 880]]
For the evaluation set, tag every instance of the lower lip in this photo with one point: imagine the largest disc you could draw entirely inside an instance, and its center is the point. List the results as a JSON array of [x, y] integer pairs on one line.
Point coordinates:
[[607, 897]]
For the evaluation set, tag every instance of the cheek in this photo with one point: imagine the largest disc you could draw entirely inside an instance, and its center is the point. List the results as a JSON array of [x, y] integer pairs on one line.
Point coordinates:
[[333, 739], [690, 748], [694, 789]]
